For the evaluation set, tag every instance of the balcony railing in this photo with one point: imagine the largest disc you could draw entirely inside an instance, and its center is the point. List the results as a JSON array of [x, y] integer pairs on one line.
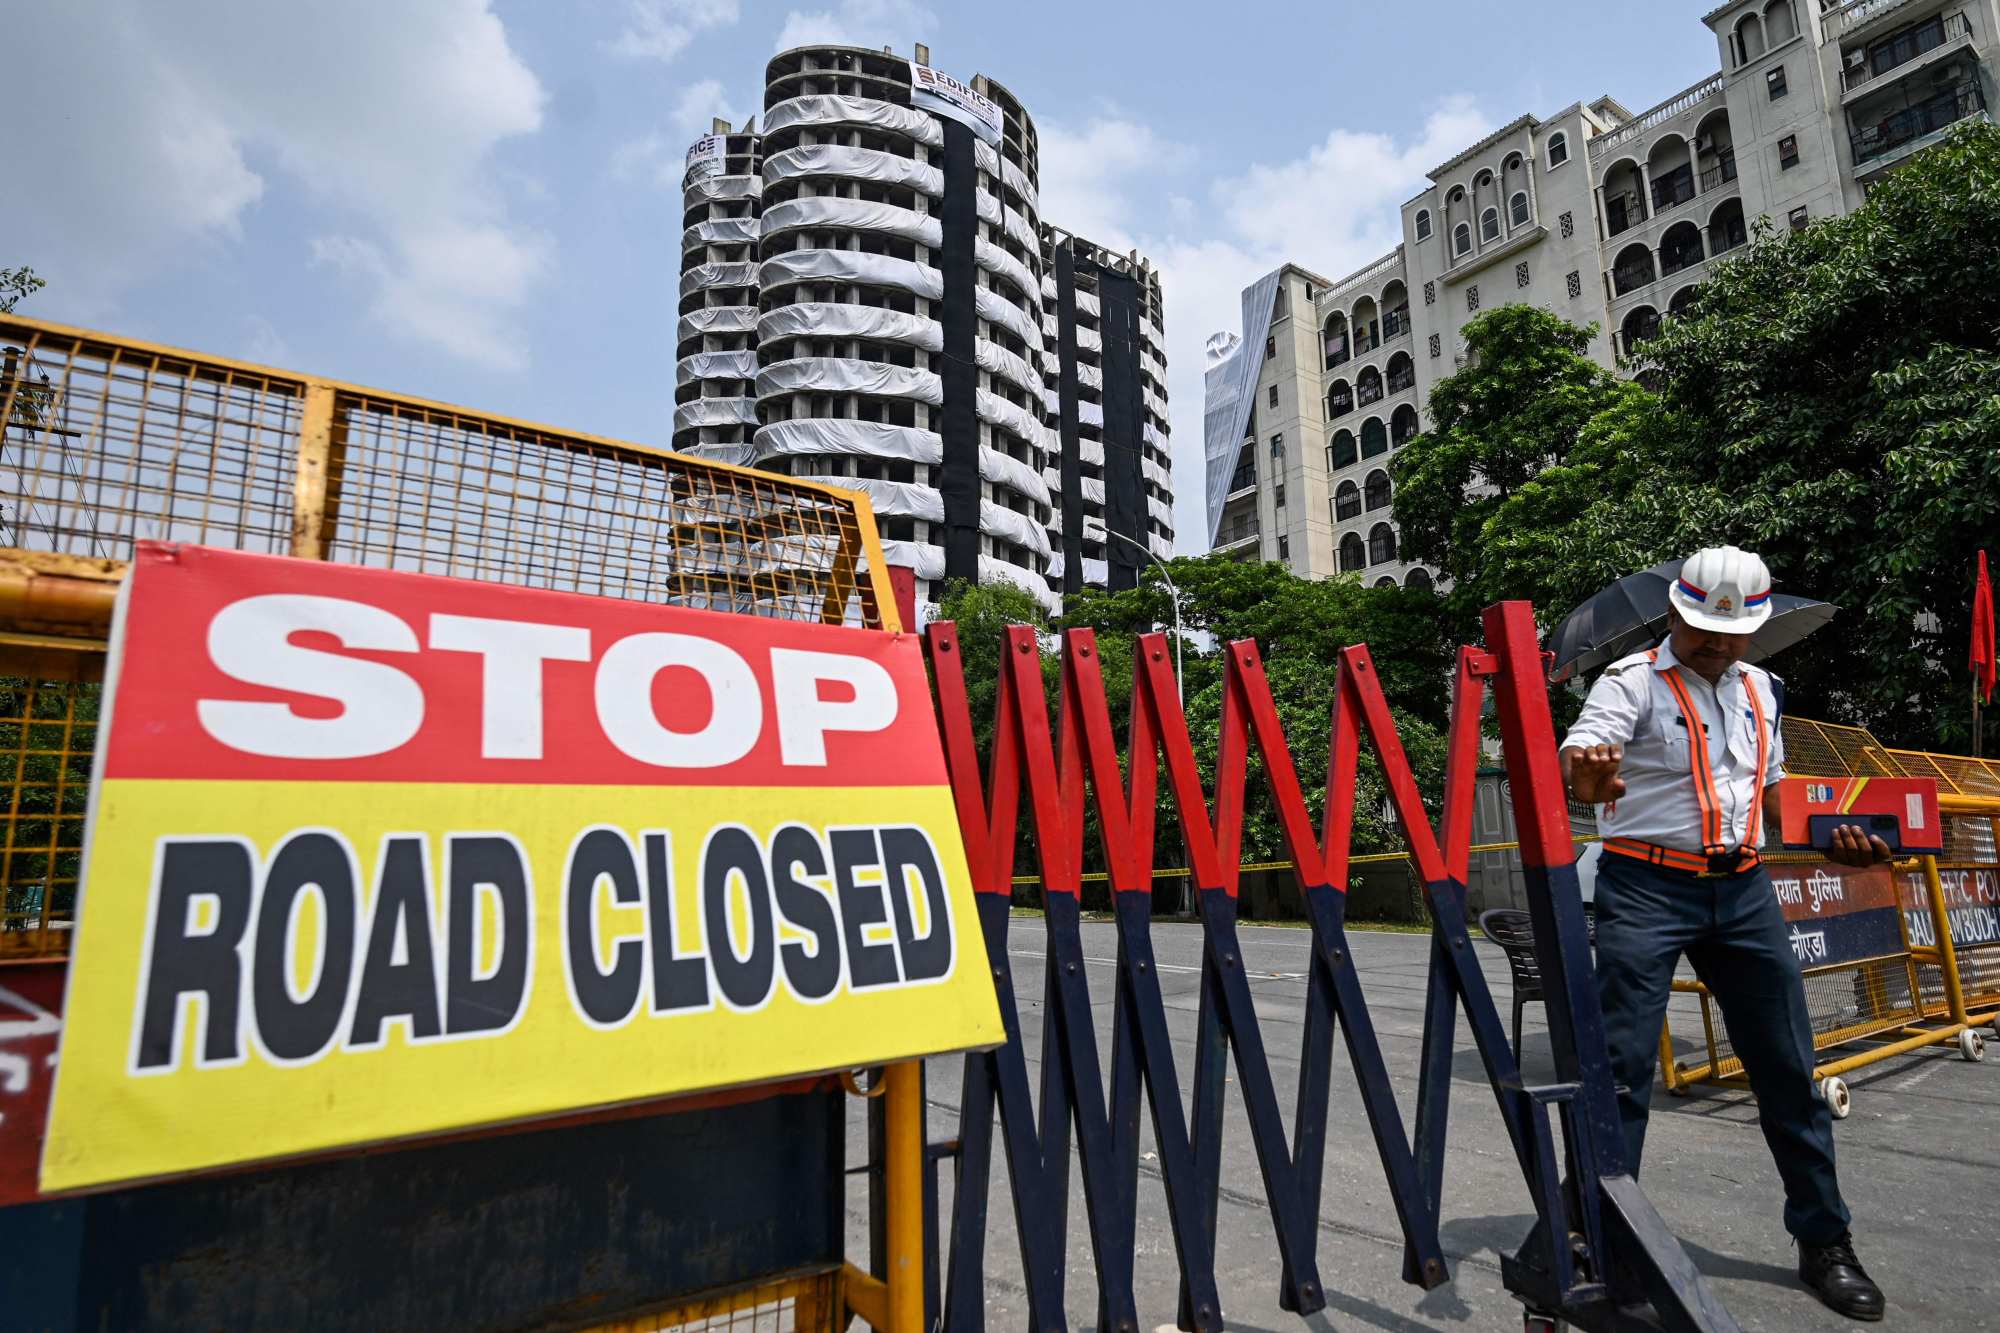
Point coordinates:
[[1623, 211], [1726, 236], [1401, 435], [1366, 342], [1720, 174], [1337, 356], [1934, 113], [1659, 115], [1242, 479], [1630, 278], [1396, 323], [1400, 382], [1673, 261], [1905, 46], [1339, 405], [1370, 392], [1673, 189], [1236, 532], [1839, 18]]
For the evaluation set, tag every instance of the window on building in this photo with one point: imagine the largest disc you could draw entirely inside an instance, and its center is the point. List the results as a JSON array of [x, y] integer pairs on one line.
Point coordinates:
[[1346, 501], [1575, 283], [1381, 544], [1797, 218], [1461, 239], [1430, 293], [1521, 274], [1774, 82], [1788, 152], [1437, 348], [1353, 555], [1270, 348], [1423, 224], [1278, 496], [1517, 209], [1284, 547], [1472, 298], [1558, 149], [1375, 494], [1342, 452], [1489, 225], [1278, 447], [1274, 395]]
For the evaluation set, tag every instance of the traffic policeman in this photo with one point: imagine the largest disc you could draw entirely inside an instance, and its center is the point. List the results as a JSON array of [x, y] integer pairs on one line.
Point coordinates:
[[1681, 748]]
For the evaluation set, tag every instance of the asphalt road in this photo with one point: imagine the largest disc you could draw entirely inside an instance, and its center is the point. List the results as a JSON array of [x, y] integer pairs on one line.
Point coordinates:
[[1919, 1160]]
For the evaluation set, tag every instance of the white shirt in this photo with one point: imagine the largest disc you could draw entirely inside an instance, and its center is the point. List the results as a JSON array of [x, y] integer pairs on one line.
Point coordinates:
[[1632, 705]]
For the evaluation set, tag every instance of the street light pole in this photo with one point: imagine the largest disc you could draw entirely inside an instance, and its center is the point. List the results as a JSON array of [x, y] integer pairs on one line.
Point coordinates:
[[1172, 590]]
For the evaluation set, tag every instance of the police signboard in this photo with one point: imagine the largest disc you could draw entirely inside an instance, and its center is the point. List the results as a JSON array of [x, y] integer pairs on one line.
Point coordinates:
[[1838, 914], [374, 855], [1971, 905]]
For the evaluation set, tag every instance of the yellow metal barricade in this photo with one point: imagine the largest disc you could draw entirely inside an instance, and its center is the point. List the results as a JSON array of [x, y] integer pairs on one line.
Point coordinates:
[[107, 441], [1926, 993]]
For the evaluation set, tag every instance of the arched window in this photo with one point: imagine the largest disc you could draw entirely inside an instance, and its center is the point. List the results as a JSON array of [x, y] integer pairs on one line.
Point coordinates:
[[1640, 326], [1369, 387], [1682, 300], [1513, 162], [1386, 581], [1353, 555], [1375, 493], [1482, 180], [1517, 209], [1779, 24], [1374, 438], [1381, 544], [1339, 400], [1346, 501], [1489, 225], [1403, 426], [1418, 578], [1457, 193], [1633, 270], [1423, 224], [1341, 452], [1558, 149], [1402, 372], [1461, 238], [1680, 248]]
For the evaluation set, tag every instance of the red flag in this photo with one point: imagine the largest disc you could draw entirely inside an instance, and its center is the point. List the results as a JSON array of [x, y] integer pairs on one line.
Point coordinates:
[[1983, 654]]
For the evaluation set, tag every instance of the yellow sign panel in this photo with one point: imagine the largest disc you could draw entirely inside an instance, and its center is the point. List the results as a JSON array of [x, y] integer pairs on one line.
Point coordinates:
[[291, 940]]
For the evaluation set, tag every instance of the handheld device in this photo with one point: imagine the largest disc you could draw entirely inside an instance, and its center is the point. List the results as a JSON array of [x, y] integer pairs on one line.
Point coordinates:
[[1902, 812]]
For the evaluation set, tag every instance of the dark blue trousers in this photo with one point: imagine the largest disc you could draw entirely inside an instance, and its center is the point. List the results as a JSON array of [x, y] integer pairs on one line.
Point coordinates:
[[1733, 933]]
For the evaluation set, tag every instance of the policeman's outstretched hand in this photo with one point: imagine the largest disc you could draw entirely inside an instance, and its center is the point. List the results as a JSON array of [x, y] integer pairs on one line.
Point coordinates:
[[1593, 774], [1852, 846]]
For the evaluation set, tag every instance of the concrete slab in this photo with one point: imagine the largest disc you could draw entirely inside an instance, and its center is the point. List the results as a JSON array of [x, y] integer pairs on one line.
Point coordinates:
[[1919, 1158]]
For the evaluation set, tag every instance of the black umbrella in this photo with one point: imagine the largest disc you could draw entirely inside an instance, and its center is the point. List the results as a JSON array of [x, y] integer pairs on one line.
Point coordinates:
[[1632, 614]]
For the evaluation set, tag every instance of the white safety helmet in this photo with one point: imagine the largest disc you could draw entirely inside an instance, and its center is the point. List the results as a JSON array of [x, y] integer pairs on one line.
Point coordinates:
[[1723, 590]]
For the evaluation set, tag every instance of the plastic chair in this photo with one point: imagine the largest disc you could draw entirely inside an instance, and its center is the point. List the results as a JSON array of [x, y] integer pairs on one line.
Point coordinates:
[[1513, 930]]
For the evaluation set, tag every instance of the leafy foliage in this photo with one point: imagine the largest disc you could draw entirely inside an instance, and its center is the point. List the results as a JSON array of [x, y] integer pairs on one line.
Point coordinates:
[[17, 285], [1521, 486]]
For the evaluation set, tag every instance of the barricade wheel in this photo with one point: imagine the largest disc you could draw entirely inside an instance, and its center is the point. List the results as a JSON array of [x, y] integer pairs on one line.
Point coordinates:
[[1533, 1321], [1996, 1025], [1834, 1089], [1972, 1046]]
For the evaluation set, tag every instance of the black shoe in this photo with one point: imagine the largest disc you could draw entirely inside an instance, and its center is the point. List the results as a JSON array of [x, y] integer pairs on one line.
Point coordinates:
[[1838, 1279]]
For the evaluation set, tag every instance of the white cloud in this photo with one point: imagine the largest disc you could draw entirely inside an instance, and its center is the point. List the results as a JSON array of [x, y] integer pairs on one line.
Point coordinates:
[[662, 29], [857, 23], [1332, 210], [170, 140], [660, 158]]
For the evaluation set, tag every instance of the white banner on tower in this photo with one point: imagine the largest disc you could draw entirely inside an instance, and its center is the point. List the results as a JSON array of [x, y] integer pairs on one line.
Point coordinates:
[[937, 92]]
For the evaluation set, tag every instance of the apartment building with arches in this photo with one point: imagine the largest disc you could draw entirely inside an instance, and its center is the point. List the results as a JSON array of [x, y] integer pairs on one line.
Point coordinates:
[[1602, 215]]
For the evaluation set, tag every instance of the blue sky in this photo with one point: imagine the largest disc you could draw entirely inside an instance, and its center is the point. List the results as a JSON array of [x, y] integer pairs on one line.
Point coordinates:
[[478, 200]]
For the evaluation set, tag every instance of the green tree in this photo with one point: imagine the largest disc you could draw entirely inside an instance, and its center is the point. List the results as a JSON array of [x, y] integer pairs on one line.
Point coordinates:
[[16, 286], [1520, 488], [1834, 397]]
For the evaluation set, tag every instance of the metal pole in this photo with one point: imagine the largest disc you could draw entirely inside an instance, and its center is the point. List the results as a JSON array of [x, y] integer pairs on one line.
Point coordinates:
[[1180, 690]]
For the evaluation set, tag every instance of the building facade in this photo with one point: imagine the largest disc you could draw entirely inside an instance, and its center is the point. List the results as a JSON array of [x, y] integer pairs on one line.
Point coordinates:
[[870, 298], [1600, 215]]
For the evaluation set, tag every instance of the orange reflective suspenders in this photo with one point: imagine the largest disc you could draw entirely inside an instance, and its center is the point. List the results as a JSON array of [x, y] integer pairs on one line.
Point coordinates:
[[1707, 798]]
